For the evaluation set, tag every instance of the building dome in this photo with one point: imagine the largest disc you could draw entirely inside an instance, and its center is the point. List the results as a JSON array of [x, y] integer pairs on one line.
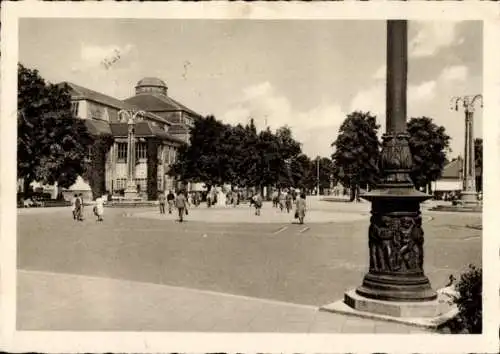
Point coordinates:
[[151, 85]]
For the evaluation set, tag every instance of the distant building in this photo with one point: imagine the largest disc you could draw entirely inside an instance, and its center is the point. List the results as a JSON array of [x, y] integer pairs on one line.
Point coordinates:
[[164, 128], [151, 95], [452, 178]]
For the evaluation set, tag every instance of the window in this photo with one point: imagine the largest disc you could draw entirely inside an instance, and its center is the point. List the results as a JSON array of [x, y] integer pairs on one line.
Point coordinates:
[[170, 156], [140, 151], [161, 150], [74, 108], [122, 151], [121, 183], [141, 184], [105, 116], [160, 181], [96, 112]]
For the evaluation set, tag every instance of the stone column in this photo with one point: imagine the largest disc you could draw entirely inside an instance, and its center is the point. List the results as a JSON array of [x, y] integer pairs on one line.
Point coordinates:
[[131, 190], [469, 194], [131, 119], [395, 236]]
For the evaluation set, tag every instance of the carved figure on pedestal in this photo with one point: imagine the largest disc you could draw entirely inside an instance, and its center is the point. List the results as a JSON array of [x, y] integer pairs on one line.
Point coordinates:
[[417, 236], [380, 242], [406, 250], [374, 244]]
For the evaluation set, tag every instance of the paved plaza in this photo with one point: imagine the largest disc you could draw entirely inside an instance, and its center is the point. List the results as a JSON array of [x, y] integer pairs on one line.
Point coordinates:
[[223, 270]]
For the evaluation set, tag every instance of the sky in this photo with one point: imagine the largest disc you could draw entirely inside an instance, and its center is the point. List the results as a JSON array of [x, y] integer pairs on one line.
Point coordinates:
[[307, 74]]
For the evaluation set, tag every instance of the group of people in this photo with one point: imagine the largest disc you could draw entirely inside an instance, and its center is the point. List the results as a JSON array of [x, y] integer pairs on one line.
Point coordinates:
[[285, 201], [179, 201], [77, 207]]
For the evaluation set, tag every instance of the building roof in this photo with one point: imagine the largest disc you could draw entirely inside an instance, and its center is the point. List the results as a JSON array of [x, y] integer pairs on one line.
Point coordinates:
[[83, 93], [453, 170], [158, 103], [178, 129], [97, 127], [142, 129], [151, 81]]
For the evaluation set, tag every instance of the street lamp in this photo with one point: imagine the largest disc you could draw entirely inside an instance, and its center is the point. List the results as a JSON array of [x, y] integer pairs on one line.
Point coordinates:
[[396, 237], [469, 194], [317, 175], [131, 118]]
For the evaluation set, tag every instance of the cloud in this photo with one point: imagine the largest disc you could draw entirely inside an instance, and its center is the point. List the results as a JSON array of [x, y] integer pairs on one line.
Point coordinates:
[[92, 56], [371, 99], [315, 128], [381, 73], [454, 73], [422, 92], [432, 37]]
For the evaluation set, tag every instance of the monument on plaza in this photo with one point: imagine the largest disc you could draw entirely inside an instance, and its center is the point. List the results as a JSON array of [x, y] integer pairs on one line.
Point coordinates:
[[468, 196], [395, 285], [131, 118]]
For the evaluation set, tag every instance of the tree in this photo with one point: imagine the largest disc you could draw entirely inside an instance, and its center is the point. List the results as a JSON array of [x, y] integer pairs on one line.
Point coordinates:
[[288, 148], [325, 172], [247, 159], [206, 158], [52, 146], [357, 151], [478, 158], [220, 153], [428, 145], [301, 172]]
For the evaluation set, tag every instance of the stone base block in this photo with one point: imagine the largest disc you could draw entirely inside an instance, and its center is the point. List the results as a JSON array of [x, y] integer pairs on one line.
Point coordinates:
[[428, 314], [468, 198], [130, 195], [459, 208]]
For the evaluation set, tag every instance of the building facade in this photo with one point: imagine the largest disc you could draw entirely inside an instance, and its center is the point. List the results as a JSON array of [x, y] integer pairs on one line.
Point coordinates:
[[451, 179], [162, 127]]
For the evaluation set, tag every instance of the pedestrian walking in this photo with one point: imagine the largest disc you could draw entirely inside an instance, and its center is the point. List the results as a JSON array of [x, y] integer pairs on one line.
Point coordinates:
[[235, 199], [282, 200], [73, 206], [79, 207], [170, 201], [257, 203], [181, 205], [161, 202], [99, 208], [275, 196], [209, 199], [288, 202], [197, 199], [300, 212]]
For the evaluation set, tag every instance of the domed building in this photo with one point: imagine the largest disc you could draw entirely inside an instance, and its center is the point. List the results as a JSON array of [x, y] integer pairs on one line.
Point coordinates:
[[151, 95], [151, 85], [163, 126]]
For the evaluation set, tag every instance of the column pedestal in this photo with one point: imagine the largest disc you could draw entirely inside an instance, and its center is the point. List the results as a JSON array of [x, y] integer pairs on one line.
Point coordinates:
[[468, 198], [130, 192]]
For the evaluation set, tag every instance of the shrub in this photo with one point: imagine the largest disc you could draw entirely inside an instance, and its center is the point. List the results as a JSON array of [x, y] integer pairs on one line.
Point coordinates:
[[469, 300]]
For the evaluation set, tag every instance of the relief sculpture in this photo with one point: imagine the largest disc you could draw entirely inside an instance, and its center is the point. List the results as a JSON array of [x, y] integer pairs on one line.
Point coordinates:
[[396, 244]]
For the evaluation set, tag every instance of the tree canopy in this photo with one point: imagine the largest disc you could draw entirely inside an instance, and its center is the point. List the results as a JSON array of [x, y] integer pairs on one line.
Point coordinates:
[[357, 151], [52, 146], [429, 144], [221, 153]]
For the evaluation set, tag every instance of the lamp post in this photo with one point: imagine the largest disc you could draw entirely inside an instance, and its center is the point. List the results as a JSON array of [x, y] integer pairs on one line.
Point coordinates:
[[131, 118], [317, 175], [469, 194], [395, 235]]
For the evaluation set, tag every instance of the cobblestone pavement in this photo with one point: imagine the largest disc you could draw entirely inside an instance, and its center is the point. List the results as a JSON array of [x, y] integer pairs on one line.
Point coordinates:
[[276, 265]]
